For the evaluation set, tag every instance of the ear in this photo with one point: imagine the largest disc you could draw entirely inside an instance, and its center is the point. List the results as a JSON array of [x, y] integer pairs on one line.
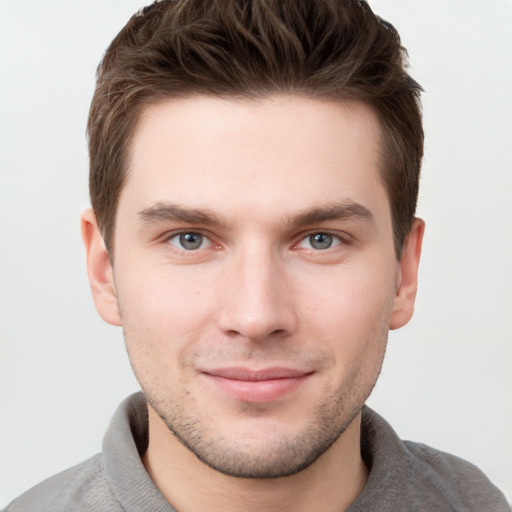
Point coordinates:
[[99, 270], [408, 276]]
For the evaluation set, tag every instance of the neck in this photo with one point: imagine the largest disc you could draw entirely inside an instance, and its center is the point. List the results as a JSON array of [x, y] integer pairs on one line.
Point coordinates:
[[331, 483]]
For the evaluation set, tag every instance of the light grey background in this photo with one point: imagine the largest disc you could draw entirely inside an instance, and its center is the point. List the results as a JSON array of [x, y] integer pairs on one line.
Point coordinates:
[[447, 380]]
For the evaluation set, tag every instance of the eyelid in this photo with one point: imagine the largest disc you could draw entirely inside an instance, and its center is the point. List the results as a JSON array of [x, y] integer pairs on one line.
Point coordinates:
[[342, 237], [169, 235], [205, 241]]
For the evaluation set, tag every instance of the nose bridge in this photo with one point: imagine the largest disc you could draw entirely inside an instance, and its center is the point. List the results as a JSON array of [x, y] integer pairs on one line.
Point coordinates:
[[257, 301]]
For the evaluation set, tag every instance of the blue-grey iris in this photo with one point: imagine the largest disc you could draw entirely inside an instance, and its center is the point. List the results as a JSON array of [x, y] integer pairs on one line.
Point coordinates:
[[320, 240], [191, 241]]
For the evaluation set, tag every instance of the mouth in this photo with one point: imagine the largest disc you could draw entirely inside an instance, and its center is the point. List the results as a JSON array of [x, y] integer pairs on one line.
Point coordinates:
[[257, 386]]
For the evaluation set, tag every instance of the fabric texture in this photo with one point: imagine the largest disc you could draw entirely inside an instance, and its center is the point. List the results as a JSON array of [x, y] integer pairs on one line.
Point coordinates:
[[404, 476]]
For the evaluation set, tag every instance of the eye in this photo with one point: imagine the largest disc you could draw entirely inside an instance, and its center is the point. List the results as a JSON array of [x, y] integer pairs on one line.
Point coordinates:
[[189, 241], [320, 241]]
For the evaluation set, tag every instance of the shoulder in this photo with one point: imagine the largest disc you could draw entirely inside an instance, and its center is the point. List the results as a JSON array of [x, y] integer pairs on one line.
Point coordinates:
[[462, 484], [415, 477], [83, 487]]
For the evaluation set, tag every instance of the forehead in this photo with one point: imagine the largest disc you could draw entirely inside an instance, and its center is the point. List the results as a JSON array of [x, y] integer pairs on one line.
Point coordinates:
[[279, 154]]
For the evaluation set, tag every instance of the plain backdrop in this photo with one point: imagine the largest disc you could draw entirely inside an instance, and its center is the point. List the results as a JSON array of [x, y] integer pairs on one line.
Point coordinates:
[[447, 379]]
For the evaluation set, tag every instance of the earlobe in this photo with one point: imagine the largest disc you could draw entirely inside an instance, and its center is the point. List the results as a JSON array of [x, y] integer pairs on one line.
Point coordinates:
[[409, 263], [99, 270]]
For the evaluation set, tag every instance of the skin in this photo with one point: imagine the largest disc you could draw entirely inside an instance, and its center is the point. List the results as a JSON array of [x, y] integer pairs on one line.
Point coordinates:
[[262, 187]]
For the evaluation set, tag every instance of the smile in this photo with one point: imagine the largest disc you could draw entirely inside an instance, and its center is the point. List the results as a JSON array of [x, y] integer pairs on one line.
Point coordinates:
[[264, 385]]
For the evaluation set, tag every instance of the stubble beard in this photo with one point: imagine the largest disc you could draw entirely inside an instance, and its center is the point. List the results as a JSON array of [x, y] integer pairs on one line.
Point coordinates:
[[278, 457], [282, 455]]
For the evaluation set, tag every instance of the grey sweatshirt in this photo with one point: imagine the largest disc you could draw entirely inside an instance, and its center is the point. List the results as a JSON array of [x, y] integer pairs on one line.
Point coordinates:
[[404, 476]]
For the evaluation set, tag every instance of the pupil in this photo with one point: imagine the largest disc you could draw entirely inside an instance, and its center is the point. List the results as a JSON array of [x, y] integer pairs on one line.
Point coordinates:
[[191, 240], [321, 240]]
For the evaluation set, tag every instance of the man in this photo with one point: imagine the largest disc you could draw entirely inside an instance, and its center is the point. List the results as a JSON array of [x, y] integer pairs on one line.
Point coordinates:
[[254, 175]]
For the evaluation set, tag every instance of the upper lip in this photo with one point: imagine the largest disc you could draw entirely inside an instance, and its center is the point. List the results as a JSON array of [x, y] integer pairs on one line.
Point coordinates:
[[238, 373]]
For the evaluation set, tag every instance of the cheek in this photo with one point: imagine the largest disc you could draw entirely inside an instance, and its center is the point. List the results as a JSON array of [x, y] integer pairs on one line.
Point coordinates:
[[165, 295], [349, 300], [351, 319], [163, 317]]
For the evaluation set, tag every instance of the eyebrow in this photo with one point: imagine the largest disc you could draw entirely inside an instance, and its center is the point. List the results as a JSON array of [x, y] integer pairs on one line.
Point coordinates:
[[339, 211], [164, 212]]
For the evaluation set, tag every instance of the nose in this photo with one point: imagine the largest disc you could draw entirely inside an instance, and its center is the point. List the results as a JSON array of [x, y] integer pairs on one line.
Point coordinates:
[[257, 300]]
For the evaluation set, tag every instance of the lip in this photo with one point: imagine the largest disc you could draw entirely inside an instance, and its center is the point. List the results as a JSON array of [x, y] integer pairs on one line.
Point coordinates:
[[261, 385]]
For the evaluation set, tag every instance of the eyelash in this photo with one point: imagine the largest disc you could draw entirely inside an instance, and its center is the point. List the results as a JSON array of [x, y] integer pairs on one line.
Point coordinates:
[[341, 239], [167, 240], [337, 237]]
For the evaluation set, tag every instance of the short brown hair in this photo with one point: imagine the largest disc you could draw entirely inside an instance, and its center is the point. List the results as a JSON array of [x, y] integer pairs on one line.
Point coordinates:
[[330, 49]]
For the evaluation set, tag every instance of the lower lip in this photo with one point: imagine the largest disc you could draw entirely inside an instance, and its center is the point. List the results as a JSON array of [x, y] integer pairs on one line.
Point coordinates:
[[257, 391]]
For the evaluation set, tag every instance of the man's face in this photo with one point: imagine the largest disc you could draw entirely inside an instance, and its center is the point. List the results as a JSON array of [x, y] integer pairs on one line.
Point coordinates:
[[255, 274]]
